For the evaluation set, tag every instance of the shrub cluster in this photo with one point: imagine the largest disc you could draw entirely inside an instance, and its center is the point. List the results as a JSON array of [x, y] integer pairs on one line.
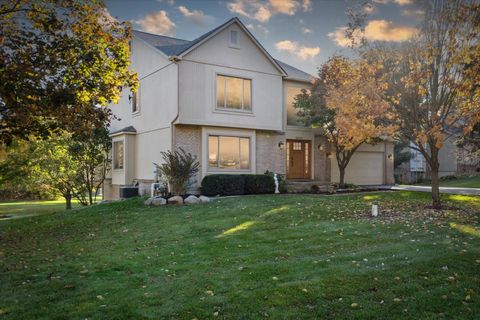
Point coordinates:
[[237, 184]]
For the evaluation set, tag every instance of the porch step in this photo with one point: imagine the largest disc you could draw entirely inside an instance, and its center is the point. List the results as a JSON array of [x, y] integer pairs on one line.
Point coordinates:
[[307, 186]]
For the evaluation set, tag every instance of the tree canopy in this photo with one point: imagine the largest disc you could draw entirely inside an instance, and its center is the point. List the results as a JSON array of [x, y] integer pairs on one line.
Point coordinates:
[[61, 63]]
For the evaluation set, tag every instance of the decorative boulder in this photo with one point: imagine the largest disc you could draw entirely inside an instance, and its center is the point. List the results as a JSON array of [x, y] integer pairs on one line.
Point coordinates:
[[148, 201], [175, 200], [158, 201], [204, 199], [191, 200]]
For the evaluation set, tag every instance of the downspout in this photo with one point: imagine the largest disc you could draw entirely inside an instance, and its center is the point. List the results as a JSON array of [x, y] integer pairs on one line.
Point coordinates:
[[385, 159], [175, 59]]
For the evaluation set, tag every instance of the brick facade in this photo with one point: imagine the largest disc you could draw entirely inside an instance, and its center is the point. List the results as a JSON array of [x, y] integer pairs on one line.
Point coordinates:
[[269, 156], [189, 138]]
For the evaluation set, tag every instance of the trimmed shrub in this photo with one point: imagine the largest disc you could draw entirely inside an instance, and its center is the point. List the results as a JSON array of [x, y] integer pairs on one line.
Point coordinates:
[[223, 184], [258, 184], [236, 184]]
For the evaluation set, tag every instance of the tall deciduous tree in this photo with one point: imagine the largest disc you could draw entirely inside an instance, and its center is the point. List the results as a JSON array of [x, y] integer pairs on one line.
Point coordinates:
[[61, 63], [347, 102], [434, 79]]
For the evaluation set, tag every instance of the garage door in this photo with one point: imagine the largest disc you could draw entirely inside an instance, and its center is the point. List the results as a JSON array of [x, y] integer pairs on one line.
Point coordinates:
[[365, 168]]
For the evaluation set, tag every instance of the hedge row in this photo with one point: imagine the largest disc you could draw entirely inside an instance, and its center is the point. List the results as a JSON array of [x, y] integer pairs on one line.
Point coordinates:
[[237, 184]]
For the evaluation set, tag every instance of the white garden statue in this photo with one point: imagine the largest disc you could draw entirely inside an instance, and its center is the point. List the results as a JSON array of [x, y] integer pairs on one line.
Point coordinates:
[[374, 210], [276, 182]]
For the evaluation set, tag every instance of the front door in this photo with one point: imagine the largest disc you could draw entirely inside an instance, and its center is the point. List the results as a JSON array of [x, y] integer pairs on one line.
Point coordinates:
[[298, 159]]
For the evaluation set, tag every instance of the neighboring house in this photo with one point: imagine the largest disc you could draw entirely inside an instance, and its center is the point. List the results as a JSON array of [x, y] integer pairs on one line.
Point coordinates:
[[452, 159], [223, 98]]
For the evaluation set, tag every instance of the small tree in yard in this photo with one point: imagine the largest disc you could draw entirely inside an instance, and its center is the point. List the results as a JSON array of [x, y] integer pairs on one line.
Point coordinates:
[[347, 102], [178, 168], [433, 81], [93, 156]]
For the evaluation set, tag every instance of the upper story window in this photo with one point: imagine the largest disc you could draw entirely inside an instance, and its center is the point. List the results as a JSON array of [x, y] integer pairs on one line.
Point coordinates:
[[118, 155], [233, 40], [292, 118], [234, 93], [135, 100], [231, 153]]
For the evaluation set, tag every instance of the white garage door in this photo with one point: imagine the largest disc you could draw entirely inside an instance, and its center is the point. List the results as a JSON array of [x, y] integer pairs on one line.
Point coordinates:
[[365, 168]]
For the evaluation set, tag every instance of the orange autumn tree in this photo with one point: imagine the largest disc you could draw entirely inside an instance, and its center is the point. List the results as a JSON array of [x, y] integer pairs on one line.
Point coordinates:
[[347, 103], [434, 80]]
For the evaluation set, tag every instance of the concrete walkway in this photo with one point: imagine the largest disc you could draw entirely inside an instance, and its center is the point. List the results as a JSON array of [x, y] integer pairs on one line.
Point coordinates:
[[451, 190]]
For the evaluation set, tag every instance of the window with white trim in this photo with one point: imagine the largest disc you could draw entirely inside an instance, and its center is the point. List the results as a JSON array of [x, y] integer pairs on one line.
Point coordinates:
[[234, 93], [234, 39], [226, 152], [118, 155], [135, 100]]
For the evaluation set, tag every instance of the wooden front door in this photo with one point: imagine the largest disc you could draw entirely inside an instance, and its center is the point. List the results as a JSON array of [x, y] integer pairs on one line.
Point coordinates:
[[298, 159]]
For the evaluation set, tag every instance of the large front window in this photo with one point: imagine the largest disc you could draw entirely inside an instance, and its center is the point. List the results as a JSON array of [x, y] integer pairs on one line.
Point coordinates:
[[228, 152], [234, 93]]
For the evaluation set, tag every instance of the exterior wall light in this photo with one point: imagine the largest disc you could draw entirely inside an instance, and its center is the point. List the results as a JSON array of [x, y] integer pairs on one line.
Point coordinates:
[[390, 156], [320, 147], [281, 145]]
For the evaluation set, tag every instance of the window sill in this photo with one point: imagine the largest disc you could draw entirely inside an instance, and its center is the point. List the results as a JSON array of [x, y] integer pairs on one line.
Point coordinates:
[[236, 112], [119, 170]]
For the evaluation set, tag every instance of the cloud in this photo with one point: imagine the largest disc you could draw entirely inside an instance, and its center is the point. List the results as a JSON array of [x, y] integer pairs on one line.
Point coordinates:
[[263, 14], [399, 2], [263, 10], [307, 5], [383, 30], [287, 7], [157, 22], [375, 30], [413, 13], [196, 16], [259, 28], [306, 30], [170, 2], [293, 47]]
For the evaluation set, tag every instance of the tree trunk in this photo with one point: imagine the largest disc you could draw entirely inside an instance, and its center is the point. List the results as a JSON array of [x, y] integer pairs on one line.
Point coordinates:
[[90, 196], [342, 176], [435, 185], [68, 200]]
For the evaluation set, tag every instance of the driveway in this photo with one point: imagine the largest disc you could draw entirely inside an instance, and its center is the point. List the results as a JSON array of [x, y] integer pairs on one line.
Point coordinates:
[[451, 190]]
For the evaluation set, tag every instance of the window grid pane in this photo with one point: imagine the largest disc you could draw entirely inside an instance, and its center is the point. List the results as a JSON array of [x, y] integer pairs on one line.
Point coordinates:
[[228, 152], [233, 93], [118, 155]]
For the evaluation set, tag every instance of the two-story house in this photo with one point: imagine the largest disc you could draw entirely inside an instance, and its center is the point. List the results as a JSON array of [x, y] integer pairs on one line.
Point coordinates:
[[225, 99]]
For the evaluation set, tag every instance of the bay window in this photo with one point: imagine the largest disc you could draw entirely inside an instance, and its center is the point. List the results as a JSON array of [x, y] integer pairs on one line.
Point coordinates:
[[118, 155], [226, 152], [234, 93]]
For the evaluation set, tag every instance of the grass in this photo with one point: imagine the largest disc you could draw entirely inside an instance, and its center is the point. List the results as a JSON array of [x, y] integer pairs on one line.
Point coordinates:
[[461, 182], [254, 257], [20, 209]]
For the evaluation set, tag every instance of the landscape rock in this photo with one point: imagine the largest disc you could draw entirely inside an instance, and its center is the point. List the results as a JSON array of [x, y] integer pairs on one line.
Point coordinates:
[[192, 200], [175, 200], [204, 199], [158, 201], [148, 201]]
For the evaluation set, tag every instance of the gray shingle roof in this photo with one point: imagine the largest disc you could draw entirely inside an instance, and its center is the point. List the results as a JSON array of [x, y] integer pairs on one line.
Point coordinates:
[[294, 73], [129, 129], [174, 47]]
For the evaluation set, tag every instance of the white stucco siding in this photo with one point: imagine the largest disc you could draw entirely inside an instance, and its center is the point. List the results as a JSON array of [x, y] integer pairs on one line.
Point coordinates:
[[158, 91], [197, 99], [148, 147], [248, 55]]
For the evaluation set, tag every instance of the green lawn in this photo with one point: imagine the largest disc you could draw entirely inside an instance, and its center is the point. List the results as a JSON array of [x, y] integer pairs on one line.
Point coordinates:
[[20, 209], [461, 182], [254, 257]]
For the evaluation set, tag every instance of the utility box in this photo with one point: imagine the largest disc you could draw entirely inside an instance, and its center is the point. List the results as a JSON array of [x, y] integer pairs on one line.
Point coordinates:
[[128, 192]]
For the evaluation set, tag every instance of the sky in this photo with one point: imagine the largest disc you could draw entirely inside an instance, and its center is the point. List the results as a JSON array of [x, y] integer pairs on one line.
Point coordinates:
[[302, 33]]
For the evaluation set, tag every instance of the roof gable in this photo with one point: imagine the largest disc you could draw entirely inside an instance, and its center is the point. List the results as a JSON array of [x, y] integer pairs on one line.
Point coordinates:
[[174, 47]]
